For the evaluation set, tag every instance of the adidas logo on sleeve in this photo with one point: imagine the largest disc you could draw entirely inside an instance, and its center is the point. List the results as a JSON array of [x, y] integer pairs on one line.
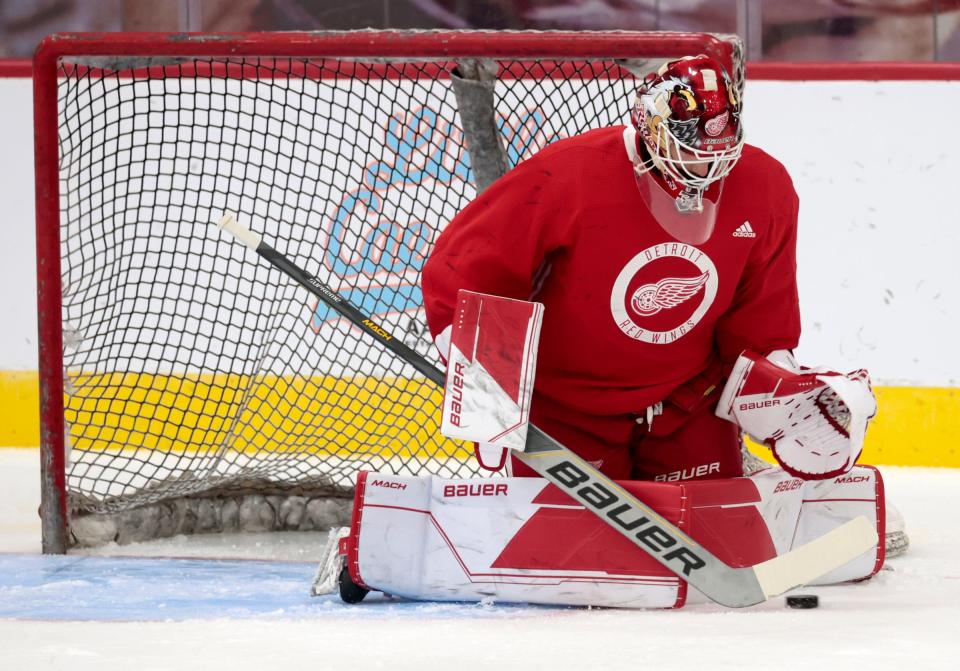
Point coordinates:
[[745, 230]]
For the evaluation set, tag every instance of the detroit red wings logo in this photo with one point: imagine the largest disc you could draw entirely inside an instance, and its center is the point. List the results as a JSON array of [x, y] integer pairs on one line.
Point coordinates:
[[667, 293], [646, 313]]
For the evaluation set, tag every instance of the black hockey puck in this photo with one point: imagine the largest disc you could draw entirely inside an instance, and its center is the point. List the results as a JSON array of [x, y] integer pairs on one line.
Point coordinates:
[[803, 601]]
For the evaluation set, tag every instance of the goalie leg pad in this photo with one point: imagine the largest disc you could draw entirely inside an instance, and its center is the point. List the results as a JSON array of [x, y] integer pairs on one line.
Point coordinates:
[[523, 540], [828, 503], [509, 539]]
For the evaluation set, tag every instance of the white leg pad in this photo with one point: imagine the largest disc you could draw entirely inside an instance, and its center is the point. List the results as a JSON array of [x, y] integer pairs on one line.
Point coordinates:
[[523, 540], [829, 503], [460, 540]]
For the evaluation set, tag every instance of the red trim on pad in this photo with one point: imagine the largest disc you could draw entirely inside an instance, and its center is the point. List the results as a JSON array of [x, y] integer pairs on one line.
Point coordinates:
[[881, 523], [353, 555]]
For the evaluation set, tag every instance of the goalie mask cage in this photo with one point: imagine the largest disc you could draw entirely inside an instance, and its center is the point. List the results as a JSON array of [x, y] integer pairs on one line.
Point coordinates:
[[185, 384]]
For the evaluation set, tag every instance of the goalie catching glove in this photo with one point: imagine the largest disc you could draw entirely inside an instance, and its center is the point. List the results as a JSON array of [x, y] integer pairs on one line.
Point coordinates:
[[814, 420]]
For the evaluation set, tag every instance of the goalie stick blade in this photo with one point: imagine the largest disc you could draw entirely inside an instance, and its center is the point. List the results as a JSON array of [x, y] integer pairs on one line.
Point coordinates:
[[638, 522], [818, 557]]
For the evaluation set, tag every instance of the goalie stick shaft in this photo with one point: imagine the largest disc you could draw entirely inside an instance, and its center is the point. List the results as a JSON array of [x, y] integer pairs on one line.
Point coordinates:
[[644, 527]]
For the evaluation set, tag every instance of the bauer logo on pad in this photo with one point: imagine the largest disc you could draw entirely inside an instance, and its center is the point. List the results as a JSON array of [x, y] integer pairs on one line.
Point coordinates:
[[490, 369]]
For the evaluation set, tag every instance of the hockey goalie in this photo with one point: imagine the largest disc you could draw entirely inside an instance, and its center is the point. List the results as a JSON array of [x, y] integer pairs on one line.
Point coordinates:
[[632, 292]]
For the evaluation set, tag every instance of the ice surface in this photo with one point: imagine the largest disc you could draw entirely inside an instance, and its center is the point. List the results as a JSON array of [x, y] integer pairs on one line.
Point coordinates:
[[90, 611]]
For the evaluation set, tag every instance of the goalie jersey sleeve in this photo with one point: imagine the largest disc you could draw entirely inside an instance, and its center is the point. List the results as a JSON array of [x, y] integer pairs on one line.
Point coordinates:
[[499, 242], [630, 313]]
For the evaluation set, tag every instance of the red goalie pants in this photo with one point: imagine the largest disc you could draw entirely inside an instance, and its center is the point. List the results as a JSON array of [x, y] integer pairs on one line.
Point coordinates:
[[698, 445]]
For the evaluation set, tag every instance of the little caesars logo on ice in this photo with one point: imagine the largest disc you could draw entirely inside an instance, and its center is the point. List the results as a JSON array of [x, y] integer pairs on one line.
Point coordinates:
[[663, 292]]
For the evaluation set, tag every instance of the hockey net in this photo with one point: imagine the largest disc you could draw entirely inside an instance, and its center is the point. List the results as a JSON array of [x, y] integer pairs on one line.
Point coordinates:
[[186, 385]]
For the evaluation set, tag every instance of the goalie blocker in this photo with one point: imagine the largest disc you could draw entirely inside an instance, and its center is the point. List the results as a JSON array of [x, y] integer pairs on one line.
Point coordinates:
[[491, 360], [524, 540]]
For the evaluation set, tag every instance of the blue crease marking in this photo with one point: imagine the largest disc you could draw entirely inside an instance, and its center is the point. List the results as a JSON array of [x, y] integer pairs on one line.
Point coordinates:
[[112, 589]]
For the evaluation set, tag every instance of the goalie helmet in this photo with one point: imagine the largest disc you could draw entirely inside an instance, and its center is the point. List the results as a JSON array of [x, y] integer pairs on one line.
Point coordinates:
[[687, 116]]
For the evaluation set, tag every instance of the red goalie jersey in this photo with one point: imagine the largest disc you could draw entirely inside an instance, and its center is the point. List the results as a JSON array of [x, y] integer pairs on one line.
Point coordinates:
[[632, 315]]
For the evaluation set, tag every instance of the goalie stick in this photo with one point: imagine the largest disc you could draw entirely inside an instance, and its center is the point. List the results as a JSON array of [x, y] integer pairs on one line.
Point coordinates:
[[683, 556]]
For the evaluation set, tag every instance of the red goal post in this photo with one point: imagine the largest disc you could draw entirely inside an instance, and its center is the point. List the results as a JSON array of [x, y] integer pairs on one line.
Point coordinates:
[[172, 366]]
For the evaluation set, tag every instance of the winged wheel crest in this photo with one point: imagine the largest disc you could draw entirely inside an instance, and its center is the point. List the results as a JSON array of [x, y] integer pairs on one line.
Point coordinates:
[[668, 293]]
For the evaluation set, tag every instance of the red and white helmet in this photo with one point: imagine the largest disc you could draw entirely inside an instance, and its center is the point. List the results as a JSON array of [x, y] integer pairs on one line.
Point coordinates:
[[688, 117]]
